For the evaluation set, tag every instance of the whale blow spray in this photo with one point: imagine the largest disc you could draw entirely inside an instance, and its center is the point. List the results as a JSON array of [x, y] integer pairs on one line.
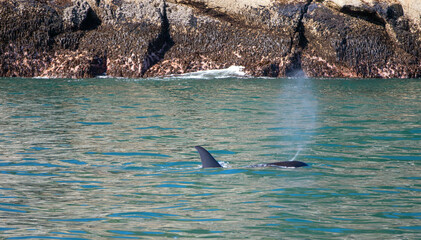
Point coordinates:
[[297, 114]]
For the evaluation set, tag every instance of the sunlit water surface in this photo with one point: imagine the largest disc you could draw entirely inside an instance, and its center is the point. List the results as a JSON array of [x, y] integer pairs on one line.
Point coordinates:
[[115, 158]]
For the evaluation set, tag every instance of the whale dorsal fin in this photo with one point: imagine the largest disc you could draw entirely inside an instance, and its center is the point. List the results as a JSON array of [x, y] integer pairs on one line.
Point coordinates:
[[207, 159]]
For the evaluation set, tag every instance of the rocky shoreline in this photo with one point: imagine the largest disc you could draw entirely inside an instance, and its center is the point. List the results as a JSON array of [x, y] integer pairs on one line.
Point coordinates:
[[146, 38]]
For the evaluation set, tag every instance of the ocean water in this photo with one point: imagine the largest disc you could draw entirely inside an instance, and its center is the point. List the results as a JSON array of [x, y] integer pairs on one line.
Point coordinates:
[[115, 159]]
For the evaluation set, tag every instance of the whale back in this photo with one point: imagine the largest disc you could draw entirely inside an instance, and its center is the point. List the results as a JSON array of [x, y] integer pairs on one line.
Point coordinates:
[[285, 164], [207, 159], [209, 162]]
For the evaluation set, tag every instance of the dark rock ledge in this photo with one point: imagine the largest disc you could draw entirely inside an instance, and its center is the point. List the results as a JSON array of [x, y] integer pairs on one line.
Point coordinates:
[[144, 38]]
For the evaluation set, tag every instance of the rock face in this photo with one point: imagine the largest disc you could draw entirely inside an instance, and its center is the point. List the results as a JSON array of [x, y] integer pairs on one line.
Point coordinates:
[[144, 38], [360, 42]]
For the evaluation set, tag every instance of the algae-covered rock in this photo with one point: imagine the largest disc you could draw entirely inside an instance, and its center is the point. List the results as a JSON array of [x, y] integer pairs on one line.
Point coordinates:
[[142, 38], [356, 42]]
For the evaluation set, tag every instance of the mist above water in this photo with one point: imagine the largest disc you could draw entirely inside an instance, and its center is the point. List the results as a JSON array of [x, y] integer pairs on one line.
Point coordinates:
[[297, 113]]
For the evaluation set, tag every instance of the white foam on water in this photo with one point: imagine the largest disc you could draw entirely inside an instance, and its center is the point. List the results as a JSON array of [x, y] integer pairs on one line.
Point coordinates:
[[224, 164], [103, 76], [233, 71]]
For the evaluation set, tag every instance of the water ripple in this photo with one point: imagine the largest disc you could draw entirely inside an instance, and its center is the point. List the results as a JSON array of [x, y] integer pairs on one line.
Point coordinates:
[[121, 162], [78, 220], [95, 123], [130, 154], [146, 215]]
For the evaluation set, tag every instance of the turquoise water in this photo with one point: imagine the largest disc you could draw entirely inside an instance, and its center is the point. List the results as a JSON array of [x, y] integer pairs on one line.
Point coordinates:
[[115, 158]]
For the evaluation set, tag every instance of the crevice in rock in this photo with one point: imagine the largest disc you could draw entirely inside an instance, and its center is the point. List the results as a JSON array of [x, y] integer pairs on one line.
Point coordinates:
[[394, 12], [91, 21], [271, 70], [80, 16], [299, 29], [364, 14], [98, 65], [160, 45], [298, 43]]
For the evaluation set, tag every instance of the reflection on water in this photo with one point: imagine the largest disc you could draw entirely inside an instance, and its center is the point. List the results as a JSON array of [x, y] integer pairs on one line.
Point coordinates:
[[114, 158]]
